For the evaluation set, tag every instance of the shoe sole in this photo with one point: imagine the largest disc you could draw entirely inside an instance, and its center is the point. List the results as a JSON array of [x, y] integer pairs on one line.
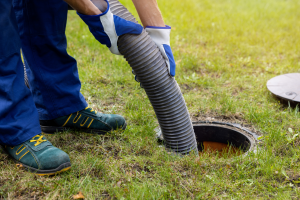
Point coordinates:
[[55, 129], [62, 168]]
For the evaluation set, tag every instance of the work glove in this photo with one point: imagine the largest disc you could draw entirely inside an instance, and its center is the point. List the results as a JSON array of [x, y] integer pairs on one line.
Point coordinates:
[[107, 28], [161, 37]]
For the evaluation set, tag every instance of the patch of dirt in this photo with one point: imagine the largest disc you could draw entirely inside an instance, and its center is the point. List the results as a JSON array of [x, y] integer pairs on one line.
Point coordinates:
[[236, 118], [112, 151], [237, 90], [291, 177], [105, 195], [189, 87], [96, 171], [143, 151], [294, 178], [106, 104], [106, 150], [133, 168], [32, 193], [21, 191], [103, 80], [283, 151], [296, 142]]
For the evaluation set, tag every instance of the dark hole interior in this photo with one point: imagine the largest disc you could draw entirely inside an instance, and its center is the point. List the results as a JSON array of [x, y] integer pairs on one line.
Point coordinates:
[[220, 134]]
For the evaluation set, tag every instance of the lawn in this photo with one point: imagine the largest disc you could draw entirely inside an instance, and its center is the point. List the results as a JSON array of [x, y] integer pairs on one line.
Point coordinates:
[[226, 51]]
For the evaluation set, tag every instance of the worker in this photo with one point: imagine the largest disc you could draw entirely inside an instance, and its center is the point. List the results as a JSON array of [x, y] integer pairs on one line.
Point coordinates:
[[54, 102]]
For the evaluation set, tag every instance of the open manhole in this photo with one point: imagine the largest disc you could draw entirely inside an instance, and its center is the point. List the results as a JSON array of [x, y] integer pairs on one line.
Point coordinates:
[[219, 137], [222, 138]]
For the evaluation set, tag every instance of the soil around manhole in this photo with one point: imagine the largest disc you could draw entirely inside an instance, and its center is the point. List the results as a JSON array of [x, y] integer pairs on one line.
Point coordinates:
[[231, 119]]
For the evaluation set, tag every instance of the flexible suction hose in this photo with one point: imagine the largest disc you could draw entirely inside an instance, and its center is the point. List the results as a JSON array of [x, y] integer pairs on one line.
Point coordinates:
[[145, 59]]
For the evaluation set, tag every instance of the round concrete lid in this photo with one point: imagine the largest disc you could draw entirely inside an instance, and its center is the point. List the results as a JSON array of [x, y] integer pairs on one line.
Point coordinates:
[[286, 86]]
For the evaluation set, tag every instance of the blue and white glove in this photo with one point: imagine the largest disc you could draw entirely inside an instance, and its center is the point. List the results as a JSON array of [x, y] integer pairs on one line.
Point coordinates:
[[161, 37], [107, 28]]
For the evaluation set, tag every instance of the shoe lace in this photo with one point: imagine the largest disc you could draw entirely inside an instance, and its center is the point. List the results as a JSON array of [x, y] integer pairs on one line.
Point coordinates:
[[92, 110], [39, 140]]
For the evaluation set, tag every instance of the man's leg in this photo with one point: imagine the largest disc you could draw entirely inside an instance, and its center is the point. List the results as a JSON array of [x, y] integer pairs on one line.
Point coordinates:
[[19, 123], [53, 75], [18, 115]]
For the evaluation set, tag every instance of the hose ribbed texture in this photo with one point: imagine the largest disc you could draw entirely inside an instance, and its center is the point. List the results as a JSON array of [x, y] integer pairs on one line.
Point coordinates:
[[145, 59]]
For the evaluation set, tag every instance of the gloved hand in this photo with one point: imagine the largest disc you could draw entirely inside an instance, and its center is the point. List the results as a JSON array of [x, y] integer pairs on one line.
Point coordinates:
[[161, 37], [107, 28]]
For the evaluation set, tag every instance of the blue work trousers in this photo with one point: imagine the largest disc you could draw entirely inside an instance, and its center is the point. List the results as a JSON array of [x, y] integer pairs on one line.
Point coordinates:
[[19, 119], [52, 73]]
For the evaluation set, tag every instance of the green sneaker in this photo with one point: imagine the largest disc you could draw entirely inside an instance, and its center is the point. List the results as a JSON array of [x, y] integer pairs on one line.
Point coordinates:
[[88, 120], [39, 156]]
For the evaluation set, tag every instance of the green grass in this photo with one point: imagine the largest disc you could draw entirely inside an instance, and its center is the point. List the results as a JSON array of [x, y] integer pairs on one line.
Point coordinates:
[[225, 52]]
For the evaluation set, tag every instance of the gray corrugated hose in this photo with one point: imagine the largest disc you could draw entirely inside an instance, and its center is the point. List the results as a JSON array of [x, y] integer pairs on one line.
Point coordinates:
[[163, 91]]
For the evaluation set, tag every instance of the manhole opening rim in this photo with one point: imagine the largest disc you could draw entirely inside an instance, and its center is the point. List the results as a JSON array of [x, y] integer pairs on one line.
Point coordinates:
[[234, 125], [252, 137]]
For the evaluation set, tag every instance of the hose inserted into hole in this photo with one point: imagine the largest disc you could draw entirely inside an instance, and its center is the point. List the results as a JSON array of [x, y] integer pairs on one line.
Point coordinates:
[[145, 59]]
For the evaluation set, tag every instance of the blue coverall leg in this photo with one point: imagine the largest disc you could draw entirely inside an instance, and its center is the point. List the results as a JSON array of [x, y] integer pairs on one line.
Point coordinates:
[[52, 73], [18, 114]]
